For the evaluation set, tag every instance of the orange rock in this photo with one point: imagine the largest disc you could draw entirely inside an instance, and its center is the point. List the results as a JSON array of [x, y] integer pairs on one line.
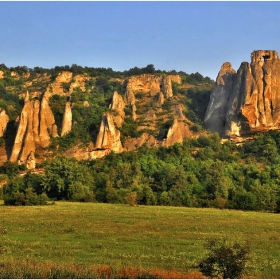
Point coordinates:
[[247, 101]]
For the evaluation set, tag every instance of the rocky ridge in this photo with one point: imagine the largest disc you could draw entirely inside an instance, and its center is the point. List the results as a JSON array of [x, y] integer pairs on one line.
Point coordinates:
[[148, 101]]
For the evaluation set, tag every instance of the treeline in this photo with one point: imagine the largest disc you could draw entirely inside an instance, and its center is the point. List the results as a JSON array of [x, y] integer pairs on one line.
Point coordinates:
[[193, 78], [197, 173]]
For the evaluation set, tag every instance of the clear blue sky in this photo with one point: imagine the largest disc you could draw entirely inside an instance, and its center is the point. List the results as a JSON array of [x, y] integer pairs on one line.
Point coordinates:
[[187, 36]]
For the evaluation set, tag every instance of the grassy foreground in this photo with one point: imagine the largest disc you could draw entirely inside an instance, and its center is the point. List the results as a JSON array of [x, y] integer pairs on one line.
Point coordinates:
[[72, 235]]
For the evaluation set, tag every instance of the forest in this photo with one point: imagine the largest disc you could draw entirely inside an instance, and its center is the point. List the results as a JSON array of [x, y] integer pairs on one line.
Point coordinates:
[[199, 172]]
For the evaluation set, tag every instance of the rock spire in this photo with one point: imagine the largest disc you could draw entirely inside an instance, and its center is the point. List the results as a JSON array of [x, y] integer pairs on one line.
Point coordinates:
[[247, 101]]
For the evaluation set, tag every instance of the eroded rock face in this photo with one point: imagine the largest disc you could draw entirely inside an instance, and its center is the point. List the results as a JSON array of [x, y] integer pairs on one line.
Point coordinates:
[[118, 105], [56, 87], [217, 108], [160, 99], [132, 143], [4, 119], [79, 81], [67, 119], [177, 133], [150, 84], [108, 136], [247, 101], [36, 124]]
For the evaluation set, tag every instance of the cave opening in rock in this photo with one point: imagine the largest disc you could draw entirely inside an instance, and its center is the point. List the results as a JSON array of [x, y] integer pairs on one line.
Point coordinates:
[[266, 57]]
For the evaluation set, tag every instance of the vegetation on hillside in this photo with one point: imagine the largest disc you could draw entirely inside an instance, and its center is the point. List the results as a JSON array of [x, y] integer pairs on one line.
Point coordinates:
[[89, 104], [200, 172]]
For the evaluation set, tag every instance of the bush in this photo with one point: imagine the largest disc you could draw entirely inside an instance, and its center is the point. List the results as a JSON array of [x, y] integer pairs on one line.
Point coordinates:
[[244, 201], [131, 199], [224, 260], [25, 198], [196, 128]]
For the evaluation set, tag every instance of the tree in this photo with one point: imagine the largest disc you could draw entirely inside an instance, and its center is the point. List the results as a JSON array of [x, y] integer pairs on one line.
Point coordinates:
[[20, 191], [10, 168], [150, 69], [225, 260], [68, 179]]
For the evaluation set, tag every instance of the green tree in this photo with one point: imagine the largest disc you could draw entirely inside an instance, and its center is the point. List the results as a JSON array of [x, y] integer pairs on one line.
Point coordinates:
[[225, 259], [68, 179]]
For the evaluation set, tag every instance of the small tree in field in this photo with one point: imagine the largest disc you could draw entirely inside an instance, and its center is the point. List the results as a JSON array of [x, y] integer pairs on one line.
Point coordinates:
[[225, 260]]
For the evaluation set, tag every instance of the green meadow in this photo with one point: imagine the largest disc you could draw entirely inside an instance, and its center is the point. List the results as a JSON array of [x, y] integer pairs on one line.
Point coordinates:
[[141, 237]]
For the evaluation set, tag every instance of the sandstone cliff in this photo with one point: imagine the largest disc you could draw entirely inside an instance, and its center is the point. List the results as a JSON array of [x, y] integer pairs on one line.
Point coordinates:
[[4, 119], [67, 120], [78, 81], [247, 101], [177, 132], [152, 84], [35, 126], [217, 108], [148, 100], [108, 137], [118, 106], [56, 87]]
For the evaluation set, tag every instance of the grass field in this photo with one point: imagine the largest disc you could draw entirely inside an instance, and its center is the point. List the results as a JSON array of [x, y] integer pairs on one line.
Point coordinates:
[[148, 237]]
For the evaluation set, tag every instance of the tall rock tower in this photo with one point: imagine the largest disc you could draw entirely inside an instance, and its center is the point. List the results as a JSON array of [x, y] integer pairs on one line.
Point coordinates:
[[247, 101]]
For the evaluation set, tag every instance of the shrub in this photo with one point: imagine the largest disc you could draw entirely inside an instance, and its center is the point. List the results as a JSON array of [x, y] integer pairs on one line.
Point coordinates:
[[219, 202], [24, 198], [224, 260], [244, 201], [196, 128], [131, 199]]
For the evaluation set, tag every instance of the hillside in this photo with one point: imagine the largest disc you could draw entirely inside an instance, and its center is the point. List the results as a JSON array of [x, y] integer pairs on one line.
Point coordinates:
[[137, 137], [87, 113]]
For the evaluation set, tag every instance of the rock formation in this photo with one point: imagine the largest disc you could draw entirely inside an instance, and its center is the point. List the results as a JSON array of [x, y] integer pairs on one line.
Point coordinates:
[[148, 100], [4, 119], [150, 84], [247, 101], [79, 81], [118, 106], [160, 99], [67, 120], [217, 108], [177, 133], [178, 112], [108, 136], [157, 86], [57, 86], [166, 86], [132, 143], [36, 124]]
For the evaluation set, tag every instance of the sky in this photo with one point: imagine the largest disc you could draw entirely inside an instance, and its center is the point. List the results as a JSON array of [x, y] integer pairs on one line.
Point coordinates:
[[182, 36]]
